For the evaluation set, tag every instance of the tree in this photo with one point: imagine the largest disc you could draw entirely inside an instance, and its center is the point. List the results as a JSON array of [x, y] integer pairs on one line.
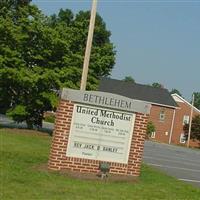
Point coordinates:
[[197, 100], [129, 79], [74, 30], [40, 54], [195, 128], [175, 91], [157, 85]]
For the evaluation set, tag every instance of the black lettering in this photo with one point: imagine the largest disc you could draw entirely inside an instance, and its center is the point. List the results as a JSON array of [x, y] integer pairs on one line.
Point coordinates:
[[112, 101], [78, 109], [112, 123], [101, 100], [122, 104], [117, 103], [85, 97], [128, 105], [96, 120], [93, 120], [110, 149], [106, 101], [86, 154], [91, 98], [96, 97], [77, 145], [89, 146]]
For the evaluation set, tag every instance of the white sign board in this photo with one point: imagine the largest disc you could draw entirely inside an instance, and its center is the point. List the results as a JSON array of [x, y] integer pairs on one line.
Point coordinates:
[[100, 134]]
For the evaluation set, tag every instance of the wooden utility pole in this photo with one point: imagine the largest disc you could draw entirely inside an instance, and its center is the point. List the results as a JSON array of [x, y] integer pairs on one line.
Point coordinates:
[[88, 45], [190, 124], [172, 127]]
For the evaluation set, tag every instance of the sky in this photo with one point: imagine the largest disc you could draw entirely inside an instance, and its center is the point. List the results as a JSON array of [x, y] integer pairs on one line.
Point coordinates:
[[156, 41]]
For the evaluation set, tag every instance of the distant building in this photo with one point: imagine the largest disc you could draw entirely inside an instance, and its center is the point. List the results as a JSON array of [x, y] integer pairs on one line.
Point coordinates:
[[182, 116], [167, 112]]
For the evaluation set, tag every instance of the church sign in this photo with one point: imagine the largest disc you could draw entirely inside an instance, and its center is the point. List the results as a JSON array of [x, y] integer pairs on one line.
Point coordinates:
[[93, 127], [100, 134], [105, 99]]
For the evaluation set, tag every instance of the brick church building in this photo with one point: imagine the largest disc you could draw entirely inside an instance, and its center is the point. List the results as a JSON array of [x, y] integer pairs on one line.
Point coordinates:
[[168, 112], [182, 116]]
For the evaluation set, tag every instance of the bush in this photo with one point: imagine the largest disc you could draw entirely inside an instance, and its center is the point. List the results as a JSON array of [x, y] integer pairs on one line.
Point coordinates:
[[150, 128], [50, 119]]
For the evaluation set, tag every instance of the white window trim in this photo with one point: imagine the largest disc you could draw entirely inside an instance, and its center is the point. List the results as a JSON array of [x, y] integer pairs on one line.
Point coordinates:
[[181, 140], [153, 134], [186, 119]]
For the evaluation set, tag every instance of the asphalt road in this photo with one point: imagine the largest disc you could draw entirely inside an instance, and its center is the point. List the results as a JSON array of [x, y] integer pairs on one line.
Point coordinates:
[[179, 162], [11, 124]]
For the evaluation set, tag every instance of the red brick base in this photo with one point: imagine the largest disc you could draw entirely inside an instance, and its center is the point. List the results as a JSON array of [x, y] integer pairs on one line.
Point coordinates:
[[59, 161]]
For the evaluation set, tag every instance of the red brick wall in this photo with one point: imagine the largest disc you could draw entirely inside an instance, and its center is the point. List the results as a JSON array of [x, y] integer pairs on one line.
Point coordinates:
[[161, 126], [59, 161], [184, 109]]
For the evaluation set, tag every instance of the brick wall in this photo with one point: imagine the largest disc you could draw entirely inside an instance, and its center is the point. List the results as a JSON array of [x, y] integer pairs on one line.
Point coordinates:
[[163, 127], [59, 161], [184, 109]]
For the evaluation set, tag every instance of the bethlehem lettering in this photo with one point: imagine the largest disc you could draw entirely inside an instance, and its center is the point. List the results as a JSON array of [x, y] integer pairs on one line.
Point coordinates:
[[101, 100], [97, 115]]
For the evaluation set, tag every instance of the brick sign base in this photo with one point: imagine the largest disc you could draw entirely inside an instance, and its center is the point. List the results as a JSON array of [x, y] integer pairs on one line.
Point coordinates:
[[59, 161]]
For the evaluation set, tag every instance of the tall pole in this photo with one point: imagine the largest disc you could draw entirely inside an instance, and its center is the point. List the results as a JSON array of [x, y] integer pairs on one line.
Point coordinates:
[[190, 124], [88, 45], [172, 127]]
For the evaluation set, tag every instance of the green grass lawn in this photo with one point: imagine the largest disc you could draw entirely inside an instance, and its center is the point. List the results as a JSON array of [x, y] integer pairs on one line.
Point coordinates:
[[22, 151]]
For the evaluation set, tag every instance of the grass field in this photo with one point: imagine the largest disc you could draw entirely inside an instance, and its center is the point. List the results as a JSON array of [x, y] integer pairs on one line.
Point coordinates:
[[22, 151]]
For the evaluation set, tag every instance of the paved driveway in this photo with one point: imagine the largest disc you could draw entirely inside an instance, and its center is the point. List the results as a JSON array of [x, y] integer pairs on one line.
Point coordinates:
[[10, 123], [176, 161]]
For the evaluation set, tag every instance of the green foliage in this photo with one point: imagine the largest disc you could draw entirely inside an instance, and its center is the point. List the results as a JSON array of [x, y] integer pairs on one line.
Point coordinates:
[[40, 54], [150, 128], [29, 94], [18, 113], [157, 85], [195, 128], [175, 91], [50, 119], [197, 100], [129, 79]]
